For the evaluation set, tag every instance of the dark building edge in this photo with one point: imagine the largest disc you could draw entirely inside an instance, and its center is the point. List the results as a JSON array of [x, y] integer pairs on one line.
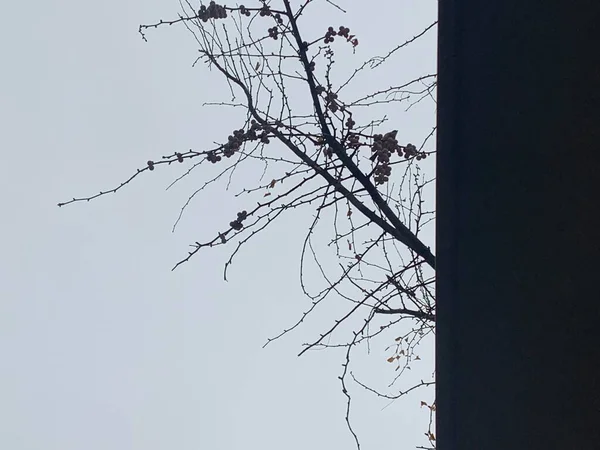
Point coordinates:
[[518, 314]]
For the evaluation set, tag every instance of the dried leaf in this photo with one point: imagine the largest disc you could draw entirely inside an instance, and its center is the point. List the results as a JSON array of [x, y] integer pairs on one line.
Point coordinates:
[[272, 184], [349, 213], [423, 403], [391, 359], [267, 194], [398, 339], [417, 358]]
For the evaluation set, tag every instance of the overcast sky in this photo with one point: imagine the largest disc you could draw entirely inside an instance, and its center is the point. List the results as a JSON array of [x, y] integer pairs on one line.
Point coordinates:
[[102, 346]]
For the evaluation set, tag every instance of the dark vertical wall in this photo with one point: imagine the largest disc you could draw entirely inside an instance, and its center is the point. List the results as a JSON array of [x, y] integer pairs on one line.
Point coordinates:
[[518, 310]]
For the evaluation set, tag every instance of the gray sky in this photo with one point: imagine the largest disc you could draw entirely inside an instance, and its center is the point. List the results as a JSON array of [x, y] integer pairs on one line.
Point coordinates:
[[101, 345]]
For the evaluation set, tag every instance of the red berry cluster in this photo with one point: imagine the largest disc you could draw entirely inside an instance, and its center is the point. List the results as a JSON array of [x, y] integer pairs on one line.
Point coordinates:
[[151, 163], [329, 35], [342, 31], [330, 100], [353, 141], [244, 11], [238, 137], [237, 224], [213, 157], [382, 173], [265, 11], [411, 151], [213, 11], [383, 147], [234, 142]]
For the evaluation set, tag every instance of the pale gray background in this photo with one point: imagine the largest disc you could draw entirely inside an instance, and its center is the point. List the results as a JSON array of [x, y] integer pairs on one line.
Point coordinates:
[[101, 345]]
